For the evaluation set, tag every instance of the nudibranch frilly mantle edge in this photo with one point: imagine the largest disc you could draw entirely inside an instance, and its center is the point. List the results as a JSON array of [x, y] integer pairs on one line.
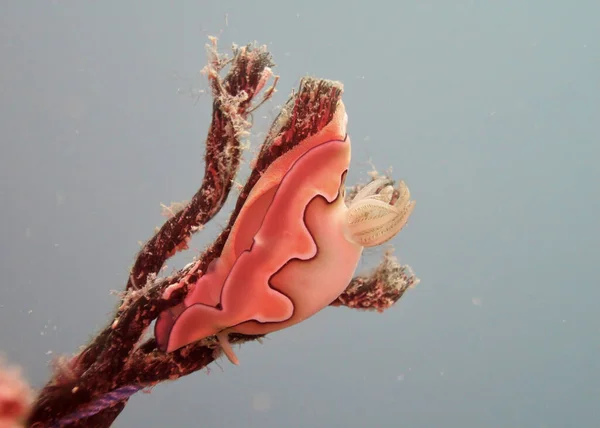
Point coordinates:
[[294, 246]]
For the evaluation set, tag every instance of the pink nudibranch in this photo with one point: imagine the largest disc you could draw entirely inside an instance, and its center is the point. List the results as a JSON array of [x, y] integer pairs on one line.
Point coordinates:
[[291, 250]]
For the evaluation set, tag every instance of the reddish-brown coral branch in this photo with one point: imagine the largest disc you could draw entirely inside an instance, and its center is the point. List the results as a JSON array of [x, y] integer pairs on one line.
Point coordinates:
[[118, 357], [233, 95], [105, 357]]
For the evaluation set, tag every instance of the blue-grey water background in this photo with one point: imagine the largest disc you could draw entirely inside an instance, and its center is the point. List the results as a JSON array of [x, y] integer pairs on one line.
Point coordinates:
[[489, 110]]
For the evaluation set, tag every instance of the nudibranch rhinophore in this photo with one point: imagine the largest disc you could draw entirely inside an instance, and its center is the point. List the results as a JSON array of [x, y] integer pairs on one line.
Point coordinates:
[[294, 246]]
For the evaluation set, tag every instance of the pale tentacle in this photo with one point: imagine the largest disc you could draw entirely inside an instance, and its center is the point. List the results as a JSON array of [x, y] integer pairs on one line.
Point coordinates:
[[371, 188], [385, 195], [403, 194], [226, 347]]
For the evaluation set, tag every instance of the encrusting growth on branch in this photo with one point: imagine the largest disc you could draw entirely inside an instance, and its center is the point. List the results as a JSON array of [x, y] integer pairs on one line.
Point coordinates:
[[118, 358], [381, 288]]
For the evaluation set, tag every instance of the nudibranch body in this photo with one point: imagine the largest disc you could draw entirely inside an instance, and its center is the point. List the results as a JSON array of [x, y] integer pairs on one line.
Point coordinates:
[[293, 249]]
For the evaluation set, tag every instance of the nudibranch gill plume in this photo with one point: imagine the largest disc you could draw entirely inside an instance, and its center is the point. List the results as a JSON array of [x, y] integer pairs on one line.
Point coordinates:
[[293, 248]]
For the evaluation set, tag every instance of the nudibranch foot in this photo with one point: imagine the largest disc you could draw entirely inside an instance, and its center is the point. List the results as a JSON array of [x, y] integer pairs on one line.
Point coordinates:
[[372, 217], [195, 322], [164, 324], [223, 338]]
